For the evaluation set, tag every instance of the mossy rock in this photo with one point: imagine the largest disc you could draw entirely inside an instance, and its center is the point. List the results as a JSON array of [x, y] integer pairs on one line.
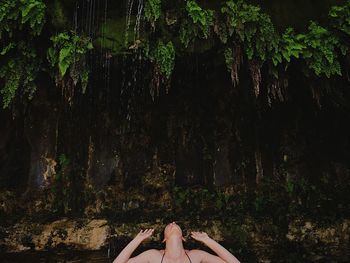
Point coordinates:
[[114, 37], [58, 13]]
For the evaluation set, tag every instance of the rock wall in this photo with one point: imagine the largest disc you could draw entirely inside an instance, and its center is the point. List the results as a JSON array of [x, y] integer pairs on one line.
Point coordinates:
[[201, 149]]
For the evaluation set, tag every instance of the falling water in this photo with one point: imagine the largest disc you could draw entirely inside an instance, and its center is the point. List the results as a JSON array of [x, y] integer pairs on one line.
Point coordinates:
[[85, 17], [128, 20], [103, 34], [129, 11], [126, 84], [75, 16], [105, 56], [138, 21], [91, 16], [130, 88], [92, 27]]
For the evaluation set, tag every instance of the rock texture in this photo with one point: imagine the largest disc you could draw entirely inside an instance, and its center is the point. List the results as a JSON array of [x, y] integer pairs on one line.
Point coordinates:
[[80, 235]]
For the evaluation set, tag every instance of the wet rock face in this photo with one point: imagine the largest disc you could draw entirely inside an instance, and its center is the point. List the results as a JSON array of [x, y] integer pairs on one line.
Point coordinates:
[[222, 166], [28, 145], [14, 153], [41, 128], [103, 161]]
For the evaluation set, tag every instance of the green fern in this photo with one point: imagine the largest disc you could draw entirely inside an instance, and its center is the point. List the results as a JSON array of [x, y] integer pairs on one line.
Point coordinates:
[[19, 19], [19, 71], [33, 11], [340, 17], [68, 53], [153, 10], [290, 46], [320, 53], [163, 55], [247, 25], [199, 24]]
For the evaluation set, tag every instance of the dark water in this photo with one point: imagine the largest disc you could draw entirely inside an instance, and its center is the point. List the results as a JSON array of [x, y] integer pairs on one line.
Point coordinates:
[[57, 257]]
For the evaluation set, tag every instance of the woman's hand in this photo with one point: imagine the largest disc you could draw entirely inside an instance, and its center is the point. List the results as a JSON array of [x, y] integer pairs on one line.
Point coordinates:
[[224, 256], [200, 236], [124, 255], [144, 234]]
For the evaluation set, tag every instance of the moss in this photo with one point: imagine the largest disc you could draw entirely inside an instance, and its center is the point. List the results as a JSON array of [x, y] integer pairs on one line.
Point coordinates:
[[112, 35], [58, 14]]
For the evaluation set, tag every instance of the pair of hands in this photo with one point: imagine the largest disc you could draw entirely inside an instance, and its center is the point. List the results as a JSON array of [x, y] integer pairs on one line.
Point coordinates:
[[199, 236]]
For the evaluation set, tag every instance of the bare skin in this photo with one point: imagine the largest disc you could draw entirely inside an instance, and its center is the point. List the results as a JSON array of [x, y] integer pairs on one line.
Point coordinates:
[[174, 251]]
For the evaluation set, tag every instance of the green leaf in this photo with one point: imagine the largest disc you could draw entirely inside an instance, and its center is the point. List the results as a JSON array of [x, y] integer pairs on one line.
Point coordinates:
[[7, 48], [26, 9], [90, 46], [63, 66], [153, 10], [64, 60]]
